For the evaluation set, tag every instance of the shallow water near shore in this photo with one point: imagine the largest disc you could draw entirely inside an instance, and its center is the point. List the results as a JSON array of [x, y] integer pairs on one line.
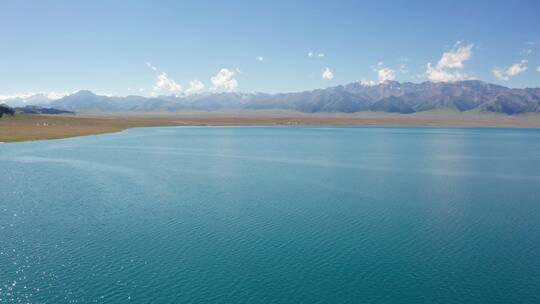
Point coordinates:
[[273, 215]]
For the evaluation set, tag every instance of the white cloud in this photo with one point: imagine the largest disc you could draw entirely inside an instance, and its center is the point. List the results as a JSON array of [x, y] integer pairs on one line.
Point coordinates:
[[500, 74], [455, 58], [153, 68], [436, 74], [166, 84], [224, 80], [312, 54], [105, 94], [368, 83], [517, 68], [514, 69], [383, 74], [327, 74], [56, 95], [386, 74], [403, 68], [18, 95], [538, 69], [451, 60], [259, 58], [30, 97], [195, 86], [531, 48]]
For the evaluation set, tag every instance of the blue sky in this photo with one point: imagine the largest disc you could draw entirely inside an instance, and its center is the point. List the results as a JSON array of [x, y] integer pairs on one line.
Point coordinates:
[[136, 47]]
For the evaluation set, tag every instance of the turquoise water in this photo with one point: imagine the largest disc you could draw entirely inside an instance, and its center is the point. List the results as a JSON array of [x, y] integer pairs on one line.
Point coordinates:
[[273, 215]]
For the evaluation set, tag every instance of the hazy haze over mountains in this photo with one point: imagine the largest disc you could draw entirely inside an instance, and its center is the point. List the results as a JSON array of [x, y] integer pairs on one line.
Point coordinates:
[[389, 96]]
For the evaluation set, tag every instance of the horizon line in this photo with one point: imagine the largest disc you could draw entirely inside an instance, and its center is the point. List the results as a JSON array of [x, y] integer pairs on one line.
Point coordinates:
[[52, 96]]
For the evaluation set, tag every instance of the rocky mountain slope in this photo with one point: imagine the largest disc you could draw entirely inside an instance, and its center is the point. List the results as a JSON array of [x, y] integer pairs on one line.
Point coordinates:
[[390, 96]]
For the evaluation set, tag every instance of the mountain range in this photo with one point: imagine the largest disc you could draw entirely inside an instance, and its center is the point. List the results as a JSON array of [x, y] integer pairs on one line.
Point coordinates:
[[390, 96]]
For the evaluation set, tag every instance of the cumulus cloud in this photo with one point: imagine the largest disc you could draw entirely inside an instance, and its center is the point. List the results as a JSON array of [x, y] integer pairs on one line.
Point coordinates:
[[149, 65], [195, 86], [437, 74], [327, 74], [445, 70], [166, 84], [383, 75], [517, 68], [386, 74], [538, 69], [259, 58], [312, 54], [513, 70], [500, 74], [224, 80], [455, 58]]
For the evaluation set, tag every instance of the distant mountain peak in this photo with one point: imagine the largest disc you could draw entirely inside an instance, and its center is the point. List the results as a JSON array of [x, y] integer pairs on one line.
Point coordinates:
[[388, 96], [83, 93]]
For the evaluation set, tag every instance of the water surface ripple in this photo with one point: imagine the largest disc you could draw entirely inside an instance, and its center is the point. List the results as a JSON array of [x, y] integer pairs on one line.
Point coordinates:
[[273, 215]]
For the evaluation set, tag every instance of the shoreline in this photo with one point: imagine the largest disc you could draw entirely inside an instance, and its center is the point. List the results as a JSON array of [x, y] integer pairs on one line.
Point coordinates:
[[22, 128]]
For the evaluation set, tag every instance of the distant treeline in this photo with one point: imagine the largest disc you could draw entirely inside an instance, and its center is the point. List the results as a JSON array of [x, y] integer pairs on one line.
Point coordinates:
[[6, 110]]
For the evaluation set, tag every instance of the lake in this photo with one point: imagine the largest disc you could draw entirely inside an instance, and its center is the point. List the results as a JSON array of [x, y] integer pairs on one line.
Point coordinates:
[[273, 215]]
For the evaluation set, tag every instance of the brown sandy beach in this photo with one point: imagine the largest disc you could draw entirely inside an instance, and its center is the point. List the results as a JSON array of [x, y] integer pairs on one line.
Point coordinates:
[[37, 127]]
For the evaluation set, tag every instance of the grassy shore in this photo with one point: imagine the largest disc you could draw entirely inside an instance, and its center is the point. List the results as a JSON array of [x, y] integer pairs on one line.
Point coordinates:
[[35, 127]]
